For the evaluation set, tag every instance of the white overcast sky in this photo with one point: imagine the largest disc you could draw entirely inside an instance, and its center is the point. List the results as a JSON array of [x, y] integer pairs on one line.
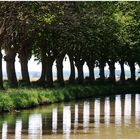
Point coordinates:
[[34, 66]]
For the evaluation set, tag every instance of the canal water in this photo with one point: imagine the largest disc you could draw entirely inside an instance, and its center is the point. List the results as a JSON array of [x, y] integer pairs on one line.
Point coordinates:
[[110, 117]]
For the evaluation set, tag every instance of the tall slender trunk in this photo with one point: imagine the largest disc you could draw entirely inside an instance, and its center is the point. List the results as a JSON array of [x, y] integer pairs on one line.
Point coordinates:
[[102, 73], [132, 69], [24, 70], [91, 71], [59, 66], [49, 74], [43, 71], [79, 66], [24, 65], [10, 67], [1, 75], [122, 77], [112, 76], [2, 35], [72, 70]]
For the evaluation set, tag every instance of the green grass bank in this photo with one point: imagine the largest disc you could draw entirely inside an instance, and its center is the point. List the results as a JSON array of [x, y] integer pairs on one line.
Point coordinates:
[[15, 99]]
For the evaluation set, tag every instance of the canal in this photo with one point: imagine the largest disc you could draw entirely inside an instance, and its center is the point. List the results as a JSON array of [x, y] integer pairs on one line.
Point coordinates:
[[109, 117]]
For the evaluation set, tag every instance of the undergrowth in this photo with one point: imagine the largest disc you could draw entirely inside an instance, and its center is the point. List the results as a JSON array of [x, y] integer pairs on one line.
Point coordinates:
[[20, 98]]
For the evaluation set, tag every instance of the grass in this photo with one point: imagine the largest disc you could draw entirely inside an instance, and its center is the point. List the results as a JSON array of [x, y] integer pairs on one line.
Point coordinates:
[[14, 99]]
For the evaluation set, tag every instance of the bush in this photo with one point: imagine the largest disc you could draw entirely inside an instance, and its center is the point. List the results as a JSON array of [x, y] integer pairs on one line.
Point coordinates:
[[6, 103], [29, 97], [24, 100]]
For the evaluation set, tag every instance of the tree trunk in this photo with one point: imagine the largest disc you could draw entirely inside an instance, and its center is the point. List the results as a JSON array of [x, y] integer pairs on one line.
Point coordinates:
[[59, 66], [10, 67], [91, 72], [49, 75], [24, 70], [43, 72], [79, 67], [72, 71], [102, 74], [132, 69], [112, 76], [1, 75], [122, 77], [23, 56]]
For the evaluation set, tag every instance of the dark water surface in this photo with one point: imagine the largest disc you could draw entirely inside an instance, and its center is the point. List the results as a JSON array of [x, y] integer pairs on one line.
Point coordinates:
[[109, 117]]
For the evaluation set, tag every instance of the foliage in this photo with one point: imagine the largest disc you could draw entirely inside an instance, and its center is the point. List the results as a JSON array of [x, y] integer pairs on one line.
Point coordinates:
[[6, 104], [26, 98], [93, 32]]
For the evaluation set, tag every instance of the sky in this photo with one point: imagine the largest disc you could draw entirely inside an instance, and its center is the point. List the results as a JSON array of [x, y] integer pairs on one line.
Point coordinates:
[[34, 66]]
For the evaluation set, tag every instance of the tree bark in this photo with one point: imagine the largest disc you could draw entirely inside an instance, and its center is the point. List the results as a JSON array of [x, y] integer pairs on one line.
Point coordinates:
[[1, 75], [24, 66], [112, 76], [72, 70], [132, 69], [79, 66], [91, 72], [122, 77], [2, 35], [24, 70], [49, 74], [59, 66], [43, 71], [10, 67], [102, 74]]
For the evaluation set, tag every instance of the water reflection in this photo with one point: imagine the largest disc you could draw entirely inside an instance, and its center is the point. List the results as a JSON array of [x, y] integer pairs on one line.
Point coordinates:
[[76, 117], [18, 129], [86, 116], [127, 109], [35, 126], [107, 111], [4, 130], [117, 117], [66, 121], [137, 110], [54, 120], [96, 112], [118, 114]]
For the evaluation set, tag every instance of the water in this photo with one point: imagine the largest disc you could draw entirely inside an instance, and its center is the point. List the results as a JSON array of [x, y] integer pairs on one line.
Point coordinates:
[[109, 117]]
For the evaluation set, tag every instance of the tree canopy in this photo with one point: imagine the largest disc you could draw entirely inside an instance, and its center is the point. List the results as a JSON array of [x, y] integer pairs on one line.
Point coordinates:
[[94, 33]]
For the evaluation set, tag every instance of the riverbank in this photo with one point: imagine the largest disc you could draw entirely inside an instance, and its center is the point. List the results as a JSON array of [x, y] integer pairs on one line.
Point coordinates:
[[21, 98]]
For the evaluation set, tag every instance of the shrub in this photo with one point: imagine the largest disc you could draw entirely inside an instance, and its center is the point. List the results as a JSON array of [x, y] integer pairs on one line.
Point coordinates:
[[6, 103], [23, 100], [29, 97]]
